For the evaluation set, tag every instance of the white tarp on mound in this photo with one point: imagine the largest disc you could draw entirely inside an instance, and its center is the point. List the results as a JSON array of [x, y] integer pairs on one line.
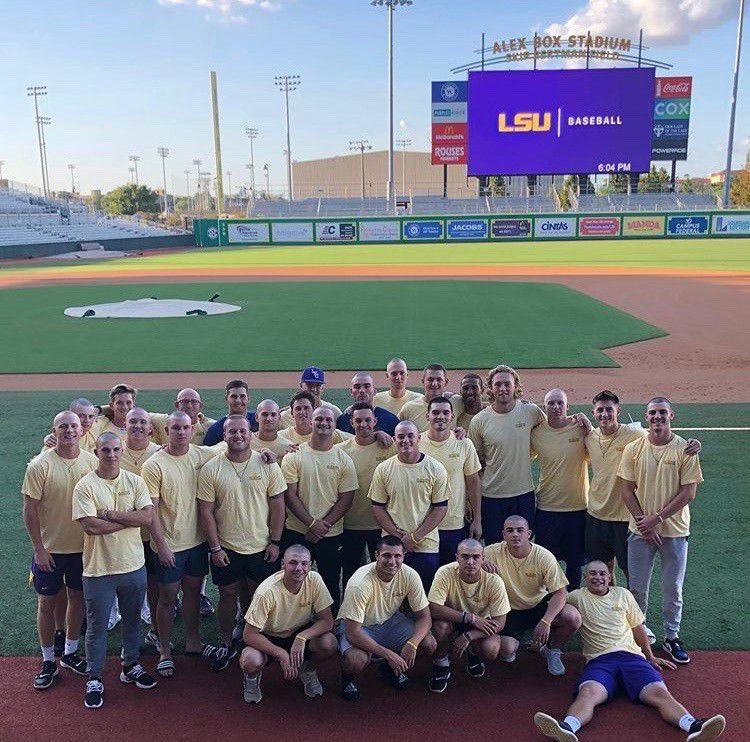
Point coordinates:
[[150, 307]]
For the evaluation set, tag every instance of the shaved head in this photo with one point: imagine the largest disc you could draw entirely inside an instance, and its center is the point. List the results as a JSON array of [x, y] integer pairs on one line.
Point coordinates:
[[65, 416], [179, 416], [187, 394], [406, 426], [516, 520], [267, 404]]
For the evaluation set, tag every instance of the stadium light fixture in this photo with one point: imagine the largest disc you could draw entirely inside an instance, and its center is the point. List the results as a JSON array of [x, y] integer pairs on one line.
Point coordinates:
[[135, 159], [360, 145], [403, 143], [35, 91], [268, 182], [163, 152], [733, 110], [187, 187], [131, 170], [45, 121], [251, 134], [287, 84], [72, 167]]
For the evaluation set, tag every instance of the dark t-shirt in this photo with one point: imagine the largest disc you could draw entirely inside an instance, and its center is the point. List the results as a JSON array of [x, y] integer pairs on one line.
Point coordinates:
[[215, 434], [387, 421]]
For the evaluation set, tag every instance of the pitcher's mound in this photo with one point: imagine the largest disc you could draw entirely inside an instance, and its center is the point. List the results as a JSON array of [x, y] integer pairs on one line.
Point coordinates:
[[151, 307]]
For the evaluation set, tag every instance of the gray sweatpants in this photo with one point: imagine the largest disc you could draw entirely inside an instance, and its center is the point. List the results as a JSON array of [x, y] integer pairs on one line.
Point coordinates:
[[641, 557], [100, 592]]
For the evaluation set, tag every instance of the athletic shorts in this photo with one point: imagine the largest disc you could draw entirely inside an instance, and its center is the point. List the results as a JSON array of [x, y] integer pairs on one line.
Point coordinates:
[[392, 634], [68, 570], [517, 623], [151, 559], [285, 642], [607, 539], [621, 671], [188, 563], [252, 567]]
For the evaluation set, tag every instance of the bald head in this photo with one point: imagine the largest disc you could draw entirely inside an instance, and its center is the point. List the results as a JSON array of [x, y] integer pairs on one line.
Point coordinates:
[[189, 402], [406, 438], [137, 426], [556, 403], [363, 387], [516, 533], [268, 416], [86, 412], [396, 372], [470, 558], [179, 432], [66, 417]]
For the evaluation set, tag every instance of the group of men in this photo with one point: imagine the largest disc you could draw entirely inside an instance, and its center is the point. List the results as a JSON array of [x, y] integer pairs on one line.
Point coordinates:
[[389, 499]]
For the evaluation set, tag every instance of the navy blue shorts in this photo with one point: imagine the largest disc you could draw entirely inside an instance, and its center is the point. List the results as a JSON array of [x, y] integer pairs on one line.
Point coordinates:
[[253, 567], [621, 671], [449, 541], [150, 559], [188, 563], [68, 570], [518, 622], [496, 509], [425, 564]]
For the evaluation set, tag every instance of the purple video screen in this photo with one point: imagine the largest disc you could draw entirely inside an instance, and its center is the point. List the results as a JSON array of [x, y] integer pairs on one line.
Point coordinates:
[[541, 122]]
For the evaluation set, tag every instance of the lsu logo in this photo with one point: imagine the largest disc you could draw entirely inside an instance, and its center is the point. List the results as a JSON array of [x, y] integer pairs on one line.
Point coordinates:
[[524, 122]]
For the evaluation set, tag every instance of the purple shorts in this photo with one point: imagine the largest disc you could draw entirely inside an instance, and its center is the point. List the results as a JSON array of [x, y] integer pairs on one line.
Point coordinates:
[[621, 671], [68, 570]]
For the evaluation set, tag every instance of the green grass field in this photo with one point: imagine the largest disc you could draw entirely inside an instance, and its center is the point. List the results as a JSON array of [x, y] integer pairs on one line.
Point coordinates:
[[280, 326], [717, 597]]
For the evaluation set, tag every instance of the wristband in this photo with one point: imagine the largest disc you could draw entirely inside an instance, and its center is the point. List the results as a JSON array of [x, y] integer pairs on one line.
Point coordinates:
[[472, 619], [312, 523], [215, 549], [415, 539], [545, 622], [412, 644], [301, 638], [661, 520], [467, 637], [463, 617], [105, 515]]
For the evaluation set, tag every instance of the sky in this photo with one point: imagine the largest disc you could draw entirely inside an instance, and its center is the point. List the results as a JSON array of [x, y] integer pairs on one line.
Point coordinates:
[[124, 78]]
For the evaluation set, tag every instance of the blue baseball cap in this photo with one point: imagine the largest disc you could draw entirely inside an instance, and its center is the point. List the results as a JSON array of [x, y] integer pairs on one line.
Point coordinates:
[[313, 375]]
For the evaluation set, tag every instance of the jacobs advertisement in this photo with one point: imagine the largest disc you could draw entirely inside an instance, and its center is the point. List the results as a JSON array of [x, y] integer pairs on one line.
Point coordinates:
[[466, 229]]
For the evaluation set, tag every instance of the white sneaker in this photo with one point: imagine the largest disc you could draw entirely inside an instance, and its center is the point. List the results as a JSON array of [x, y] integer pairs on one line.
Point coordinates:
[[251, 688], [114, 617], [554, 660], [552, 728], [311, 683]]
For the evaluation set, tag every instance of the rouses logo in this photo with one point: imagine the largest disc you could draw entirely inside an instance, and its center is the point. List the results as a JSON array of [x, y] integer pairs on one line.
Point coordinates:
[[599, 226], [558, 227], [732, 224], [511, 228], [423, 230], [685, 225], [642, 225], [467, 229]]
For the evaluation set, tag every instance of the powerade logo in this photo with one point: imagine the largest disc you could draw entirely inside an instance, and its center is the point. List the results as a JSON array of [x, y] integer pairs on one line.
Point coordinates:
[[427, 230], [684, 225], [467, 229], [732, 224], [511, 227]]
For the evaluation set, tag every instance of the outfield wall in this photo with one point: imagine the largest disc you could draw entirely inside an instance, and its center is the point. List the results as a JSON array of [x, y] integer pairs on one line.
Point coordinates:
[[480, 228], [127, 244]]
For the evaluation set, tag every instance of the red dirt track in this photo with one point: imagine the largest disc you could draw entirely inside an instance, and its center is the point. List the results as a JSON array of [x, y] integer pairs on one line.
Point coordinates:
[[201, 705]]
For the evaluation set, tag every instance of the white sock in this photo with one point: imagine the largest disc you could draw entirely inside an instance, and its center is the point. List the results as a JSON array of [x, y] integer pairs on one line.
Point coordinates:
[[686, 721], [48, 654], [441, 662], [71, 646], [573, 722]]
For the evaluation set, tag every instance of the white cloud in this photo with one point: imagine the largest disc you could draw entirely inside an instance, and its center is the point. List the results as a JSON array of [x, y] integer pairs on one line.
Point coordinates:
[[663, 21], [226, 11]]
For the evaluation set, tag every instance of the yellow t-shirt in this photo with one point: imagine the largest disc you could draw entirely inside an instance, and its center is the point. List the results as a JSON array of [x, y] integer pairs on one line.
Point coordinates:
[[87, 442], [370, 601], [527, 580], [658, 473], [50, 479], [279, 445], [241, 493], [133, 460], [287, 421], [605, 452], [408, 492], [460, 460], [416, 411], [359, 517], [112, 553], [487, 597], [563, 467], [463, 418], [103, 424], [159, 427], [607, 621], [393, 404], [173, 481], [275, 611], [339, 436], [503, 442], [321, 477]]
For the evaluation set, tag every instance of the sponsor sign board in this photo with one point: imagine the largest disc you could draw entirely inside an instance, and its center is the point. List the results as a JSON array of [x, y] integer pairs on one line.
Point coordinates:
[[449, 113], [466, 229], [423, 230], [731, 224], [674, 87], [503, 228], [380, 231], [335, 231], [292, 231], [241, 232], [687, 225], [673, 108], [206, 232], [599, 226], [450, 91], [671, 129], [642, 226], [560, 226], [449, 116], [448, 144], [671, 118]]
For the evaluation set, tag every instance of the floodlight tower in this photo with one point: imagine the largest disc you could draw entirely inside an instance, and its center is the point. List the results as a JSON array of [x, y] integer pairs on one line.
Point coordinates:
[[72, 167], [403, 143], [360, 145], [36, 91], [268, 181], [163, 152], [251, 134], [733, 110], [135, 159], [187, 187], [131, 170], [287, 84], [45, 121]]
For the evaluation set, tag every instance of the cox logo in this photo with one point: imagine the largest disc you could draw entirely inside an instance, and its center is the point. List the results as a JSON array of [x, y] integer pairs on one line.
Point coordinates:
[[672, 108], [524, 121], [449, 91]]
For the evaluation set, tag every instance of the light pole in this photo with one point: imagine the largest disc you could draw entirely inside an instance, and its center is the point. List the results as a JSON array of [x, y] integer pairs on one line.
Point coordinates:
[[287, 84], [187, 187], [268, 186], [229, 184], [197, 164], [45, 121], [391, 5], [163, 152], [251, 134], [131, 170], [2, 162], [206, 178], [403, 143], [36, 91], [360, 145], [730, 139], [72, 167], [135, 160]]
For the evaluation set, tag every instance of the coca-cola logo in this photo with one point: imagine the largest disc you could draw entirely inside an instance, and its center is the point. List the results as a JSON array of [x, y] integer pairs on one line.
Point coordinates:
[[676, 87]]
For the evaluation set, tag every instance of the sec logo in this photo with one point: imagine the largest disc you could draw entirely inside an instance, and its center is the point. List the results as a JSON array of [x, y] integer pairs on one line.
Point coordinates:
[[449, 91], [212, 233]]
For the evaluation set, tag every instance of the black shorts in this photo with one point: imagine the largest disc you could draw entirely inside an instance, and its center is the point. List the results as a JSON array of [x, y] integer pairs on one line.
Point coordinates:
[[607, 540], [151, 559], [285, 642], [251, 567], [517, 623]]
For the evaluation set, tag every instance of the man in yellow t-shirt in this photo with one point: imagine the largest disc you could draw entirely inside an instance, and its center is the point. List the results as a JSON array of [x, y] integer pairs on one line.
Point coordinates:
[[470, 401], [619, 658], [459, 457], [171, 475], [312, 381], [501, 433], [537, 592], [361, 530], [267, 417], [111, 506], [241, 510], [289, 620], [302, 405], [562, 492], [468, 607], [321, 481], [189, 402], [410, 494], [57, 541], [397, 395], [88, 415], [370, 621], [435, 383], [659, 481]]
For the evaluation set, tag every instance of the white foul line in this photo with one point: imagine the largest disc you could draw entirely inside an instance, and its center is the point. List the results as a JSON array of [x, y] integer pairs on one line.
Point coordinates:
[[730, 429]]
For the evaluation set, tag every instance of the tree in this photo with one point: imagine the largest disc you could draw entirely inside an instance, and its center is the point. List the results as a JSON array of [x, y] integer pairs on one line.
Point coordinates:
[[739, 191], [130, 199], [687, 185], [182, 205], [654, 181], [496, 186], [618, 183]]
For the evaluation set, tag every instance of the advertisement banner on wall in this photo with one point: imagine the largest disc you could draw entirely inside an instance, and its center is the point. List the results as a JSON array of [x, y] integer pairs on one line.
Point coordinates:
[[206, 232], [731, 224], [466, 229], [449, 144], [449, 122], [504, 228], [423, 230], [386, 231], [671, 118], [642, 226], [599, 226], [243, 232], [561, 226], [292, 231], [335, 231], [687, 225]]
